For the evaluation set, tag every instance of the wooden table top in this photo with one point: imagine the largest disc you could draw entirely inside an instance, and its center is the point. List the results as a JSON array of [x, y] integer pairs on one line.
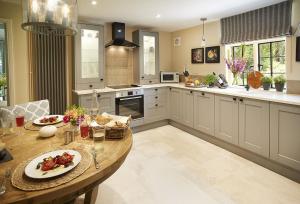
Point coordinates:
[[28, 145]]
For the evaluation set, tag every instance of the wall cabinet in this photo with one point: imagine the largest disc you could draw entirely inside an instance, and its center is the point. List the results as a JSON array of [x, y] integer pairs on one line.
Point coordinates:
[[186, 108], [175, 105], [89, 57], [106, 102], [146, 57], [204, 112], [285, 134], [226, 118], [254, 124]]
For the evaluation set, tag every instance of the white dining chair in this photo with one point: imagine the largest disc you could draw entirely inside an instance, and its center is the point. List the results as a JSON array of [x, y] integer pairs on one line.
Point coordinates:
[[32, 110]]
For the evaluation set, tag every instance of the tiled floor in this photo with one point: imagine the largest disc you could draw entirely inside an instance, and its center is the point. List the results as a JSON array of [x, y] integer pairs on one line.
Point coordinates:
[[169, 166]]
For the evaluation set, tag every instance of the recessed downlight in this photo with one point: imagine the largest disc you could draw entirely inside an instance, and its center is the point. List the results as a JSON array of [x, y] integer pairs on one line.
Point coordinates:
[[94, 2], [157, 15]]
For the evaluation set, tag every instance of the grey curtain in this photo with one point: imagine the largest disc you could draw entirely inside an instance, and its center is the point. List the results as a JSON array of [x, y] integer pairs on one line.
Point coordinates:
[[263, 23]]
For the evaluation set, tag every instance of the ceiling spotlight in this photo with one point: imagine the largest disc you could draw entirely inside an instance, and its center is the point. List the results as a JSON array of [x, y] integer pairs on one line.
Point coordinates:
[[94, 2], [158, 15]]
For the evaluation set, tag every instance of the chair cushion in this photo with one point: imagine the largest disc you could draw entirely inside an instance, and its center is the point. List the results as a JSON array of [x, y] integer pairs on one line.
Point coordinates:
[[33, 110]]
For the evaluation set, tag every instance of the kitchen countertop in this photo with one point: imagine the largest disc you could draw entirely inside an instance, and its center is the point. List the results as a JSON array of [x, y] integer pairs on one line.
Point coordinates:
[[238, 91]]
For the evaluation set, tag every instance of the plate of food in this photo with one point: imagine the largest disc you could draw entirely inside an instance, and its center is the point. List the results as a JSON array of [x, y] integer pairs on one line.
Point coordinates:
[[52, 164], [48, 120]]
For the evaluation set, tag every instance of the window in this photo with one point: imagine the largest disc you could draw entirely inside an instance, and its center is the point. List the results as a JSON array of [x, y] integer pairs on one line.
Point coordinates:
[[271, 58], [246, 52]]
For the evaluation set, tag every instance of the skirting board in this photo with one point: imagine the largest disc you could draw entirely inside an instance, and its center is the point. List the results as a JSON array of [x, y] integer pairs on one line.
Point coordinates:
[[150, 126], [267, 163]]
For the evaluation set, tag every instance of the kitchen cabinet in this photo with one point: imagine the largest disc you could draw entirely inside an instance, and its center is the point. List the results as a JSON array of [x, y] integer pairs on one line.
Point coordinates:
[[285, 134], [186, 107], [89, 57], [226, 118], [146, 57], [156, 104], [106, 102], [174, 104], [204, 112], [254, 124]]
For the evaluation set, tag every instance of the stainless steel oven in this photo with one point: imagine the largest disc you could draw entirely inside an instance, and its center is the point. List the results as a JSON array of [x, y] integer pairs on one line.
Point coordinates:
[[130, 103]]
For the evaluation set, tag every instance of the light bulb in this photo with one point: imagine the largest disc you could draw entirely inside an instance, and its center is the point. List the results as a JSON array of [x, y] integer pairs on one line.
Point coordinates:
[[203, 43]]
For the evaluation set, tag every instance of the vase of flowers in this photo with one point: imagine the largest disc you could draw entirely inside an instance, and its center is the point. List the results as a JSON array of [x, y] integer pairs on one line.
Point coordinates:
[[237, 67], [74, 115]]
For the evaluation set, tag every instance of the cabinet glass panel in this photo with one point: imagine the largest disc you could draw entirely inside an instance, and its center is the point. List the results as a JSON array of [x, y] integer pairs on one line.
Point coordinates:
[[149, 55], [89, 53]]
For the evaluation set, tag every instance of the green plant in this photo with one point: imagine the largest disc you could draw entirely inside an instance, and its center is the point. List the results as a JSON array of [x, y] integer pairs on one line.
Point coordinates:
[[266, 80], [210, 79], [3, 81], [279, 79]]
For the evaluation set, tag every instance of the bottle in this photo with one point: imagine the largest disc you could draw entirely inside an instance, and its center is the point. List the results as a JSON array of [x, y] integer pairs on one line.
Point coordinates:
[[219, 82], [94, 105]]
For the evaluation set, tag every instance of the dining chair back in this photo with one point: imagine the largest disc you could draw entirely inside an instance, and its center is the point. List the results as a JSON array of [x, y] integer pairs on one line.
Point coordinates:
[[32, 110]]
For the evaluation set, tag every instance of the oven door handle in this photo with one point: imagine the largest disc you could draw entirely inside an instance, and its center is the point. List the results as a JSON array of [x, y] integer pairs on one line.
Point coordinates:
[[131, 98]]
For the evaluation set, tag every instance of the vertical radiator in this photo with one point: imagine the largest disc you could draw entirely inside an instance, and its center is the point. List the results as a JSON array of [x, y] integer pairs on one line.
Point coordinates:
[[47, 62]]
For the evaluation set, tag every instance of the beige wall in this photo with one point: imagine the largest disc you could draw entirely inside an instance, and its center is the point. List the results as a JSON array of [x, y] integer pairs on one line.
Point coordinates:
[[191, 38], [20, 77]]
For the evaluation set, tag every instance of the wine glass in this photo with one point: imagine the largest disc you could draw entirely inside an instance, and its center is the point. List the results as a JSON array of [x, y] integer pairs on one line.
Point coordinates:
[[20, 121]]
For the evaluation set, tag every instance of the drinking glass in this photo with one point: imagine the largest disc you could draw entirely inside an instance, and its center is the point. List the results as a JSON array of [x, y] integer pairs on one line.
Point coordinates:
[[6, 124], [20, 121], [99, 138], [84, 130]]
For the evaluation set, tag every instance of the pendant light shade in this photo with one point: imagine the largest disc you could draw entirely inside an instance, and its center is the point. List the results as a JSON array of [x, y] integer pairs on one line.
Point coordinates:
[[57, 17], [203, 41]]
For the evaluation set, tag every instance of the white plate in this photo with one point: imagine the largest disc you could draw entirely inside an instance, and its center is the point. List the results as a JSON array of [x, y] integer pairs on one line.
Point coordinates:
[[59, 119], [32, 172]]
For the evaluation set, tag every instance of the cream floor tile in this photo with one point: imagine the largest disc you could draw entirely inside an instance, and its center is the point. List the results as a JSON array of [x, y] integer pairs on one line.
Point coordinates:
[[169, 166]]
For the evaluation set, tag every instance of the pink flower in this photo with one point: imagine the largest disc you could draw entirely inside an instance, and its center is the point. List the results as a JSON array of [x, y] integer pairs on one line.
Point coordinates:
[[66, 119]]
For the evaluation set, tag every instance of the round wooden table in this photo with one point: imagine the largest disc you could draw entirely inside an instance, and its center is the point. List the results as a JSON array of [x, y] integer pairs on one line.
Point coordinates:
[[28, 145]]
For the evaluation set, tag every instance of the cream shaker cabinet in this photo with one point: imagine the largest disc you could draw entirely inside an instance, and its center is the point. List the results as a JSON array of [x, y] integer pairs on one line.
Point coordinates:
[[204, 112], [187, 108], [175, 105], [146, 57], [106, 102], [89, 57], [226, 118], [254, 124], [285, 134]]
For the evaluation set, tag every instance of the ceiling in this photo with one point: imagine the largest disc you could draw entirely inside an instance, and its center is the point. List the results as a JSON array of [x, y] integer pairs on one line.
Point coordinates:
[[175, 14]]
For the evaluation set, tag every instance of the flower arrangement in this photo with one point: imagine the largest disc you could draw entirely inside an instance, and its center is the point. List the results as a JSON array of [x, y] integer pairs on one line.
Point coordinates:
[[237, 67], [74, 114]]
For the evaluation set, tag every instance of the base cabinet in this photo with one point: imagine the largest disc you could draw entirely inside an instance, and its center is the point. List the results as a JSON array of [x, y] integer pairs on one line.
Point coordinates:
[[285, 135], [174, 104], [254, 123], [226, 118], [187, 108], [204, 112], [106, 102]]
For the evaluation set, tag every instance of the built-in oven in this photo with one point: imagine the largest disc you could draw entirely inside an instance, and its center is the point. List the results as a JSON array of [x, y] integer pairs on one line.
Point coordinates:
[[130, 103]]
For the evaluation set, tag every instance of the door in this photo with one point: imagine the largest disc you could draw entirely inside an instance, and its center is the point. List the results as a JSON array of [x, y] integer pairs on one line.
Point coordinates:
[[131, 105], [226, 118], [89, 57], [175, 104], [254, 126], [204, 112], [187, 108], [285, 134]]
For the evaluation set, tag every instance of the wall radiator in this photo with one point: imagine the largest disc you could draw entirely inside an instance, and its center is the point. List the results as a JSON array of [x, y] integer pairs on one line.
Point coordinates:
[[47, 62]]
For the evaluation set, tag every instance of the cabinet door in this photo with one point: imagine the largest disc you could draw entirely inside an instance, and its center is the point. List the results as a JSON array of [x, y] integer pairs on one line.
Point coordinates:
[[175, 104], [89, 49], [254, 126], [285, 134], [204, 112], [187, 108], [226, 118]]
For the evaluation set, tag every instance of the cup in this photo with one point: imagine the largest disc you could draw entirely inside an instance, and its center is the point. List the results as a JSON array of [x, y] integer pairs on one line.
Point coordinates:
[[20, 121], [84, 130], [99, 138]]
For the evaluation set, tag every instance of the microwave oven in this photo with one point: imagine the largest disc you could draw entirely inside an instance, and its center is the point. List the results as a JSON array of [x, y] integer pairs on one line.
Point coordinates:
[[169, 77]]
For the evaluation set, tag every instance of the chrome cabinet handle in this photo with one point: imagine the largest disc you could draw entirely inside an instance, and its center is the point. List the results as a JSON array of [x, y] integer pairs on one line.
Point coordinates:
[[125, 99]]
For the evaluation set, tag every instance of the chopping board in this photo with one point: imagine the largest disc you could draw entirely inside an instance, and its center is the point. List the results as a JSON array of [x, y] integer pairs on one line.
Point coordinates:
[[254, 79]]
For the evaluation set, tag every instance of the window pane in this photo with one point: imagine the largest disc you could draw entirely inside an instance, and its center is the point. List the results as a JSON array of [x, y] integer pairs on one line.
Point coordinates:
[[278, 49], [264, 50], [279, 65], [265, 62], [237, 52], [248, 55]]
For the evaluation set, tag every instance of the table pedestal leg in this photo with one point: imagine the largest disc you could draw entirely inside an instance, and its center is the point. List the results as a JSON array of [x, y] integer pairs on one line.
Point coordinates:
[[91, 196]]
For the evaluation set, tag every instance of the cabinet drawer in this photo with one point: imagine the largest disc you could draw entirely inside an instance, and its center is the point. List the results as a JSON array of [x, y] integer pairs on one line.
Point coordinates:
[[155, 92], [155, 113], [87, 86], [153, 100]]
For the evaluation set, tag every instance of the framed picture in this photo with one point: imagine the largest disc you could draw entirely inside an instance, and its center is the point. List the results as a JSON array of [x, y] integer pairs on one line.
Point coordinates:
[[298, 49], [212, 54], [197, 55]]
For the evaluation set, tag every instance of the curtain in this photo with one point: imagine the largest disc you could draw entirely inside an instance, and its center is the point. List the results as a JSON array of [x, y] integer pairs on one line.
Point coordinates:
[[263, 23]]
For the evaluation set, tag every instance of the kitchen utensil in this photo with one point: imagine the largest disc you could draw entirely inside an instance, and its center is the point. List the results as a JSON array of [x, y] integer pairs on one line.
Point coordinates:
[[94, 154], [6, 177]]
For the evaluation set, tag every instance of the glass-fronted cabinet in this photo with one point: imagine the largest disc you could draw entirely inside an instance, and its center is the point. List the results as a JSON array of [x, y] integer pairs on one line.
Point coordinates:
[[146, 60], [89, 57]]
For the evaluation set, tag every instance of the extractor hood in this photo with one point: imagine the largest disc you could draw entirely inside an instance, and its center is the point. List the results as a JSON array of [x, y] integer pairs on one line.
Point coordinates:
[[118, 36]]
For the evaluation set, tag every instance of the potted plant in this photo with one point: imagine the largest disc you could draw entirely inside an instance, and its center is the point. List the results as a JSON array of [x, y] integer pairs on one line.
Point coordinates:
[[279, 82], [210, 80], [266, 82]]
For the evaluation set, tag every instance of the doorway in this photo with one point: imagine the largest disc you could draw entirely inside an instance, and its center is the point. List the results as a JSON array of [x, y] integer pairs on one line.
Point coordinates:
[[4, 85]]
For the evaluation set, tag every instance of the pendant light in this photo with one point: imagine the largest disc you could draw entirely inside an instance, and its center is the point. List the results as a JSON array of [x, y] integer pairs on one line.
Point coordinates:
[[203, 41], [58, 17]]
